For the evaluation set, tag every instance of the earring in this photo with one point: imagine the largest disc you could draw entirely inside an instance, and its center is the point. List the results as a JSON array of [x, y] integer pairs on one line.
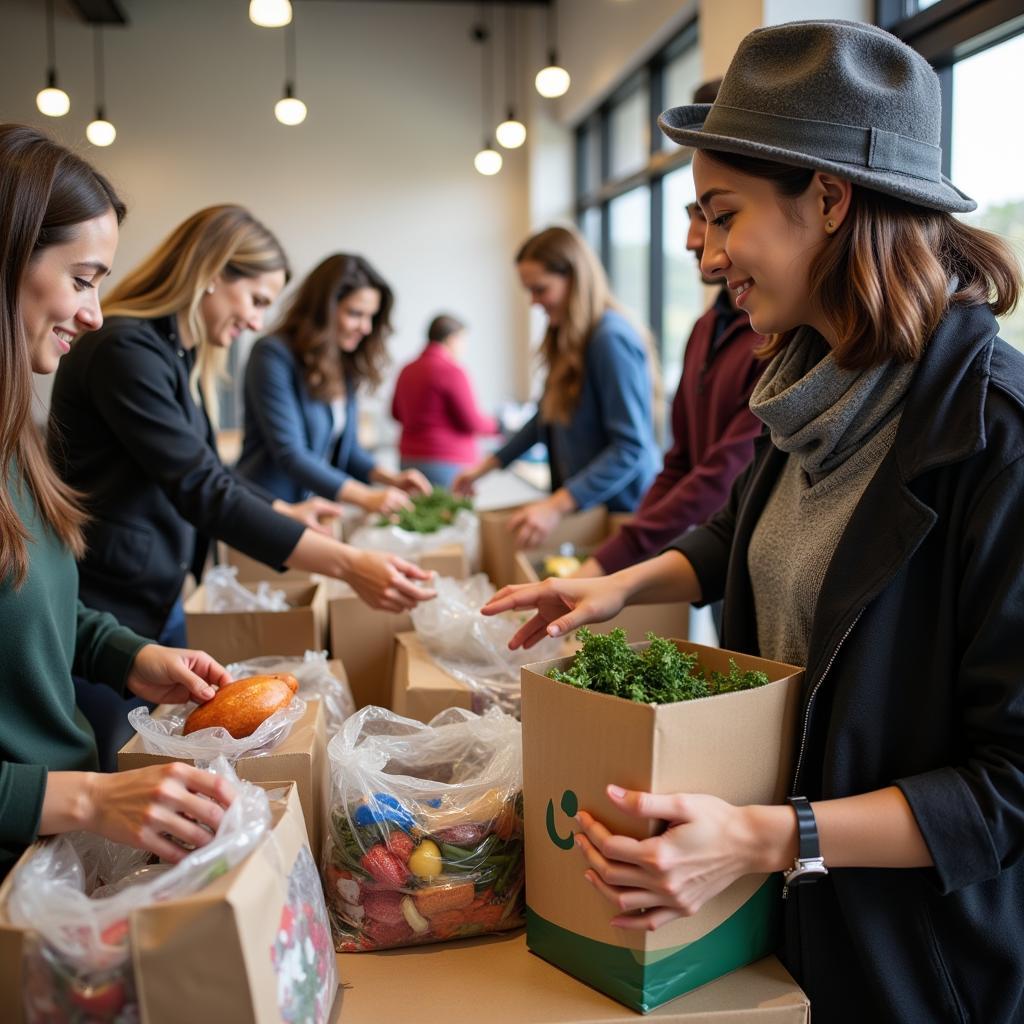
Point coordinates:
[[830, 225], [209, 287]]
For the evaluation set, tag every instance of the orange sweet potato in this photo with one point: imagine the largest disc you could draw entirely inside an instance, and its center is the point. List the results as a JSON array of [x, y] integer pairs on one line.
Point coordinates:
[[435, 899], [244, 705]]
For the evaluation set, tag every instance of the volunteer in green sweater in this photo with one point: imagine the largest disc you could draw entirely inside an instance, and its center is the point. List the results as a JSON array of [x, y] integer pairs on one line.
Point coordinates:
[[58, 232]]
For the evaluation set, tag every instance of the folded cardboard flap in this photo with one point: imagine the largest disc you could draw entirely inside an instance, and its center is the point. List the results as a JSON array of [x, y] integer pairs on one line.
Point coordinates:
[[422, 689], [737, 746]]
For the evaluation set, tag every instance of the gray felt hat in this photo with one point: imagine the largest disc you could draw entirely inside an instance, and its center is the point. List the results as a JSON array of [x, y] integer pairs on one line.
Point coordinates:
[[835, 96]]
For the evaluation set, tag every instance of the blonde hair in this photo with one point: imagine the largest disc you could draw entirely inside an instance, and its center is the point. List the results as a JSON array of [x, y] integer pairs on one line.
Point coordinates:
[[220, 240], [564, 251]]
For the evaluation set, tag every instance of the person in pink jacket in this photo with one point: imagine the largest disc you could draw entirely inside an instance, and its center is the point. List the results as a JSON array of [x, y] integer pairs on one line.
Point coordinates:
[[434, 402]]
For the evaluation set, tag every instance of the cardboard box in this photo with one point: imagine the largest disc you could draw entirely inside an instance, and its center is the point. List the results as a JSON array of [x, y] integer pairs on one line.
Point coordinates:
[[301, 759], [420, 688], [252, 919], [737, 746], [450, 560], [454, 980], [667, 619], [498, 548], [235, 636]]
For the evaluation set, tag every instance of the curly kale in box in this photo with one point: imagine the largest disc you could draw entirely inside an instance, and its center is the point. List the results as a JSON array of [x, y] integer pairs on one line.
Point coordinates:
[[659, 674], [429, 512]]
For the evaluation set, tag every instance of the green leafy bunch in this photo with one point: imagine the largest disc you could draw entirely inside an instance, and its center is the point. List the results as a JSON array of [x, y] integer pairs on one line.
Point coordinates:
[[659, 674], [429, 512]]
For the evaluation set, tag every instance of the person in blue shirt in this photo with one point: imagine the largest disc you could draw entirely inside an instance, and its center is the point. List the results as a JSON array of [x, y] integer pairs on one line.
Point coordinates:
[[596, 411], [301, 392]]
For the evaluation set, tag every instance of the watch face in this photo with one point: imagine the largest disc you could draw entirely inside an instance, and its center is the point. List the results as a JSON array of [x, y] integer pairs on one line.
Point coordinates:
[[805, 871]]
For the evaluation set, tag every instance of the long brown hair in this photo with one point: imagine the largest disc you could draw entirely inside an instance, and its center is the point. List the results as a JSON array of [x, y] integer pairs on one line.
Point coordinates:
[[564, 251], [226, 240], [307, 325], [45, 193], [882, 280]]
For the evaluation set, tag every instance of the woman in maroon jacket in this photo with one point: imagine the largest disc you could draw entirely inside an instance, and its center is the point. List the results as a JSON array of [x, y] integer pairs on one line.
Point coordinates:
[[434, 403]]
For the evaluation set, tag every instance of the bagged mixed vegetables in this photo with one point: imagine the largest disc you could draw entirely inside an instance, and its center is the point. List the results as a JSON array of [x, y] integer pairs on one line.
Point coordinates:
[[425, 833]]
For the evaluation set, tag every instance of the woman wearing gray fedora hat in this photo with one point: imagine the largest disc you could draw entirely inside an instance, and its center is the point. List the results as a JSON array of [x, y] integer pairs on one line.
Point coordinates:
[[875, 539]]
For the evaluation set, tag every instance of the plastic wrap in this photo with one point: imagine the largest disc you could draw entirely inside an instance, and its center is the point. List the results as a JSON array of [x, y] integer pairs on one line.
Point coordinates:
[[473, 648], [464, 531], [162, 734], [78, 958], [315, 680], [225, 594], [425, 838]]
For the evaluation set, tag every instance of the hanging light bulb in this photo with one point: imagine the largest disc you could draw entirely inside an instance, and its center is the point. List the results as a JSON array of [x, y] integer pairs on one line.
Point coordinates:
[[52, 101], [511, 134], [100, 132], [290, 109], [488, 161], [554, 80], [270, 13]]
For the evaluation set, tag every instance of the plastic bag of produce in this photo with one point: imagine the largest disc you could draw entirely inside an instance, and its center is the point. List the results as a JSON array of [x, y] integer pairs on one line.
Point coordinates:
[[435, 521], [225, 594], [473, 648], [315, 680], [77, 892], [425, 837]]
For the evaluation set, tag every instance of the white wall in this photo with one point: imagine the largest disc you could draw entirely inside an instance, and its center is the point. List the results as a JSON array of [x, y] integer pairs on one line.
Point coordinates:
[[382, 165]]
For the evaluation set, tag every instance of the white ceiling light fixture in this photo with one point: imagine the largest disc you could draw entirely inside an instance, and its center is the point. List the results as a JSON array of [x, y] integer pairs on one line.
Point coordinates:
[[99, 131], [552, 81], [52, 101], [290, 110], [270, 13], [511, 133], [488, 160]]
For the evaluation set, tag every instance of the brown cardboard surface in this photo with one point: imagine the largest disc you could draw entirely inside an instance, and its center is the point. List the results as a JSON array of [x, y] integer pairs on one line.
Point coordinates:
[[737, 746], [364, 640], [667, 619], [497, 980], [498, 549], [235, 636], [301, 759], [449, 560], [420, 688]]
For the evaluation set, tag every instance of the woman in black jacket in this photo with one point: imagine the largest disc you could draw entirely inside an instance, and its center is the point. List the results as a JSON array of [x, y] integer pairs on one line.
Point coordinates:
[[132, 429], [875, 539]]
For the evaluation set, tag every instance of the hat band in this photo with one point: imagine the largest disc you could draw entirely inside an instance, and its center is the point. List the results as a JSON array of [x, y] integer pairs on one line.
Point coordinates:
[[825, 140]]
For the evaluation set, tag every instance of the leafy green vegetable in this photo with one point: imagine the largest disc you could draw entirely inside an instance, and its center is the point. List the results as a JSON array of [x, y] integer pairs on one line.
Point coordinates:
[[429, 512], [660, 674]]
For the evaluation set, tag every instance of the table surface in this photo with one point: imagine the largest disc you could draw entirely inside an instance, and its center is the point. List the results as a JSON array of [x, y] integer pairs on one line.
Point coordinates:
[[495, 979]]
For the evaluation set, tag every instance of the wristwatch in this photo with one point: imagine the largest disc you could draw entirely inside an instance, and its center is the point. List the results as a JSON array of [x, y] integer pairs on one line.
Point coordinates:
[[809, 865]]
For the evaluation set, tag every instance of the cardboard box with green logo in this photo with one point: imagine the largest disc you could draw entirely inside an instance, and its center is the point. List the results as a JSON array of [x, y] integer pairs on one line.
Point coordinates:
[[737, 746]]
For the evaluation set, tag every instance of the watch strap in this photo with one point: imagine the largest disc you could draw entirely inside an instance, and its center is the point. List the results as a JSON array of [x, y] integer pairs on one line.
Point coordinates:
[[808, 847]]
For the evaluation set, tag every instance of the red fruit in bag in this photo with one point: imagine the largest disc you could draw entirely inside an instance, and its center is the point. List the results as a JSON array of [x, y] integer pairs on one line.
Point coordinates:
[[401, 845], [101, 1003], [383, 866], [383, 934], [384, 905]]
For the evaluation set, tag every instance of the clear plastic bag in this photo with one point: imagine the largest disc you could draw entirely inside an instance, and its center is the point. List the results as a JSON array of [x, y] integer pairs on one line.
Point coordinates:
[[464, 530], [425, 838], [473, 648], [225, 594], [78, 958], [315, 680], [162, 734]]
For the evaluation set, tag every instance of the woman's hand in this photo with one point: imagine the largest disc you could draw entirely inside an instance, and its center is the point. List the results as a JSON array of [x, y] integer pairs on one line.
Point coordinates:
[[167, 675], [385, 501], [533, 524], [412, 481], [313, 512], [563, 605], [146, 806], [464, 485], [708, 845], [386, 581]]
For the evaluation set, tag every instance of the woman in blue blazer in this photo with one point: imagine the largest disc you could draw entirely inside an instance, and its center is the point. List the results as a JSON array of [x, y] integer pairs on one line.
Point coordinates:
[[301, 392]]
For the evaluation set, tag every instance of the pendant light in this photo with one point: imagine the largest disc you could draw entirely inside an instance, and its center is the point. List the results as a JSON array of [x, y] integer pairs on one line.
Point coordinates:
[[289, 110], [99, 131], [270, 13], [488, 160], [511, 133], [552, 81], [52, 101]]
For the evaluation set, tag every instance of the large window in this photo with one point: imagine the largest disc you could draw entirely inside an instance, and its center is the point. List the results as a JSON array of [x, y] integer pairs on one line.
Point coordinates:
[[633, 185]]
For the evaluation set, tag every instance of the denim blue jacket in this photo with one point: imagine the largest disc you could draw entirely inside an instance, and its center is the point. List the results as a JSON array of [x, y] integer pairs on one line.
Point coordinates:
[[606, 454], [287, 448]]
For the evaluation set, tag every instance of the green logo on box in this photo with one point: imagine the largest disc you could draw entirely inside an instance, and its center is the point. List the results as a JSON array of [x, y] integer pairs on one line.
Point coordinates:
[[570, 805]]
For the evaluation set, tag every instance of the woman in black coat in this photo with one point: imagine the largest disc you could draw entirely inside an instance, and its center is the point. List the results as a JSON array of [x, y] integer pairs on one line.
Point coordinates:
[[875, 539]]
